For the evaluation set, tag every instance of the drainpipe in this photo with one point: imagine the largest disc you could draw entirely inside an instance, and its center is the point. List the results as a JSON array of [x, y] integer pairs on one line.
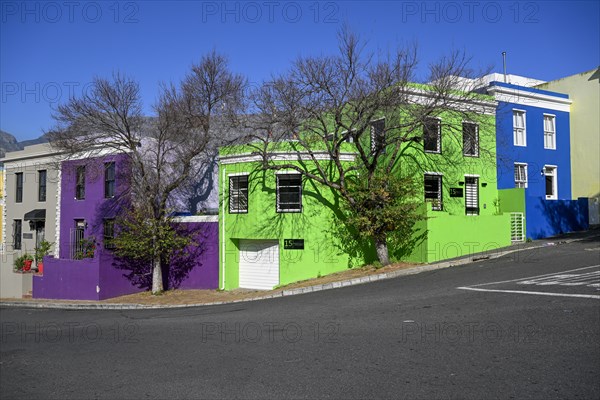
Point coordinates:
[[504, 64], [223, 230]]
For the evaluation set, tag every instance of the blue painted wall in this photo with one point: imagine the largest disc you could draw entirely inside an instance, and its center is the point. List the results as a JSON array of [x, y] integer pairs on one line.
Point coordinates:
[[544, 218]]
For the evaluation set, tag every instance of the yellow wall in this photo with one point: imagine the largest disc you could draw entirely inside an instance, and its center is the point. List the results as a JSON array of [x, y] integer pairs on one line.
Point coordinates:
[[1, 201], [584, 90]]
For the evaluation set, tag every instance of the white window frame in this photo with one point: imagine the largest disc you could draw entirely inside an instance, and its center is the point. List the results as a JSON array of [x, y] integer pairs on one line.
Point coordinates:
[[522, 129], [524, 181], [437, 204], [278, 204], [550, 134], [238, 210], [438, 149], [554, 174]]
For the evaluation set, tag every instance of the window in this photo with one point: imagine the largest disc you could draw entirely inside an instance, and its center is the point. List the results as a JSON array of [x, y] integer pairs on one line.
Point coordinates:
[[433, 191], [551, 182], [17, 232], [289, 193], [109, 180], [520, 175], [238, 194], [80, 183], [42, 185], [519, 133], [109, 233], [470, 139], [549, 131], [19, 187], [432, 135], [471, 195], [377, 134]]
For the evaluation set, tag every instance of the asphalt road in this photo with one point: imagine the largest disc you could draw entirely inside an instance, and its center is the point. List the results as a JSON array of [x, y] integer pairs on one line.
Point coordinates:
[[503, 328]]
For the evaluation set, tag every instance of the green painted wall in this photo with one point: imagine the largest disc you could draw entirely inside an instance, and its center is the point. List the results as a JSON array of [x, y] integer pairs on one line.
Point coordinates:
[[323, 252], [450, 233], [450, 236], [512, 200]]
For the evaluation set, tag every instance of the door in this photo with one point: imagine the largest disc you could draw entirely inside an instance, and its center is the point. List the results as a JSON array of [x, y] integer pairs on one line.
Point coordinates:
[[259, 264], [471, 195], [40, 234]]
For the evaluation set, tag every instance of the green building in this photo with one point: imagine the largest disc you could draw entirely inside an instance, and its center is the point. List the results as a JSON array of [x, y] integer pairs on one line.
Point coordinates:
[[277, 227]]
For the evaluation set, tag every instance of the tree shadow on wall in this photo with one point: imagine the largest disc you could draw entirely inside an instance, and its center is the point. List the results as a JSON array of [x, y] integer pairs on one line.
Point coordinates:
[[561, 216], [177, 270], [183, 261]]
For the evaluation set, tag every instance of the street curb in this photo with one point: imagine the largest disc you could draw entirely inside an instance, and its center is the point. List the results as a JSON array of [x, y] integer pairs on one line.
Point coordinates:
[[289, 292]]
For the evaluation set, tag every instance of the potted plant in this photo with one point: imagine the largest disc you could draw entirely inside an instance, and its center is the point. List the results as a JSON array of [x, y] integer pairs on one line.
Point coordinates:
[[87, 248], [23, 263], [42, 250]]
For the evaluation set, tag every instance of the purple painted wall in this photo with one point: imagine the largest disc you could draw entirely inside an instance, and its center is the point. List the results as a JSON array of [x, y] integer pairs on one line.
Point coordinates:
[[105, 276]]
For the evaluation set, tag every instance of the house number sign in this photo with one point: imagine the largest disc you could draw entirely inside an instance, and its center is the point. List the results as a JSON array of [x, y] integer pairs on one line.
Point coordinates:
[[293, 244]]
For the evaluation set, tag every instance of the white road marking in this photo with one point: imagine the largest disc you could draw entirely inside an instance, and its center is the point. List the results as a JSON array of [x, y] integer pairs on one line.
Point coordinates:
[[587, 279], [586, 296], [563, 278]]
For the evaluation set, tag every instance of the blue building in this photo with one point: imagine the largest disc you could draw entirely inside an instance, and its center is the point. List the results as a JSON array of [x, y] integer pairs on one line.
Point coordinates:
[[533, 154]]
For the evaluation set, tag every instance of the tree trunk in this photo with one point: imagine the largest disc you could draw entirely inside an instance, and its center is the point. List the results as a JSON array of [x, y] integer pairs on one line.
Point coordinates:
[[382, 249], [157, 280]]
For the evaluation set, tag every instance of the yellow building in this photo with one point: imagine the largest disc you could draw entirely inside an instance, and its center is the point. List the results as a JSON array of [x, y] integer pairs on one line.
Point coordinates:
[[584, 90], [1, 208]]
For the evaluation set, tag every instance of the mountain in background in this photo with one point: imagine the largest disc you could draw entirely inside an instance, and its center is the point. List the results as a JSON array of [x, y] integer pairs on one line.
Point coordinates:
[[9, 143]]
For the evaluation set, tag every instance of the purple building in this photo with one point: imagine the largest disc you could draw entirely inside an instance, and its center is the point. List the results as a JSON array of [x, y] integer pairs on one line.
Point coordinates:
[[93, 192]]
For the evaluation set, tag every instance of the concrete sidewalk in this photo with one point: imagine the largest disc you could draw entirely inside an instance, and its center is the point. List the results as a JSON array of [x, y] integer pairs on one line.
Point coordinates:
[[195, 298]]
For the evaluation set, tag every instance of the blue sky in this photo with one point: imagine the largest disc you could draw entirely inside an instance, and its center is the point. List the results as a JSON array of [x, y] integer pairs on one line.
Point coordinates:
[[49, 50]]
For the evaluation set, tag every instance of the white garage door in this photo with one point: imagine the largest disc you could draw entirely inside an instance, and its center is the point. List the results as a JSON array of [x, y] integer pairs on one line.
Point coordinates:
[[259, 264]]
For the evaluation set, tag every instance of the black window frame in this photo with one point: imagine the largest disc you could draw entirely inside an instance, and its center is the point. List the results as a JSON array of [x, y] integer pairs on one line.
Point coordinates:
[[438, 200], [19, 187], [238, 194], [80, 182], [17, 234], [42, 184], [470, 139], [287, 190], [377, 128], [428, 135], [109, 179], [470, 210]]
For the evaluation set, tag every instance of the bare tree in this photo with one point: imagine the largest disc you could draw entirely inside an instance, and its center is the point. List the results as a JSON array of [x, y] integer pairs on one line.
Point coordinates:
[[354, 103], [166, 150]]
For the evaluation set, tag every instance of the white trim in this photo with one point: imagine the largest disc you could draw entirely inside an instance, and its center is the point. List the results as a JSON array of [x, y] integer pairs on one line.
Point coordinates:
[[196, 218], [287, 172], [472, 175], [526, 98], [551, 117], [223, 229], [300, 156], [239, 174], [418, 96], [433, 173], [554, 181], [526, 181], [58, 211], [524, 128]]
